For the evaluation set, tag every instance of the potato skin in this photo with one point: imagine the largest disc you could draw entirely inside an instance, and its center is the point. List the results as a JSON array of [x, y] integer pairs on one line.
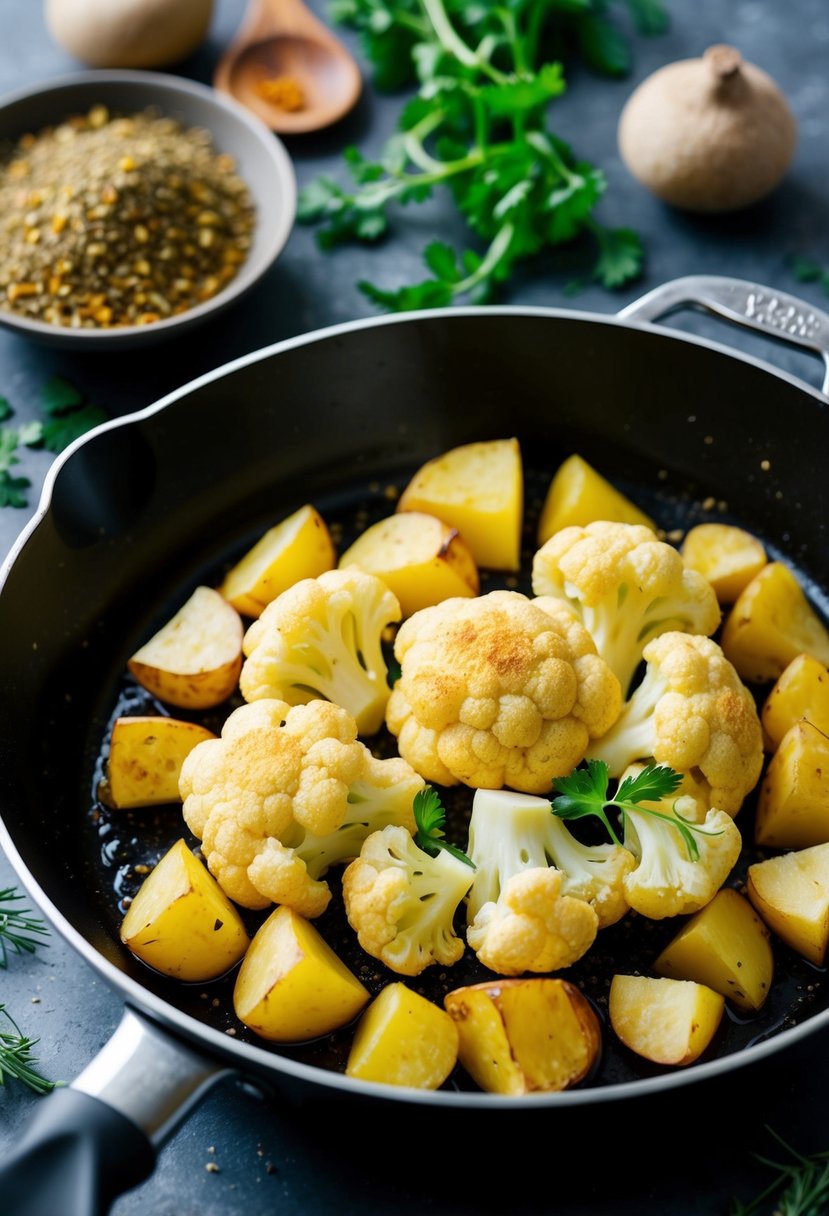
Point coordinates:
[[525, 1035]]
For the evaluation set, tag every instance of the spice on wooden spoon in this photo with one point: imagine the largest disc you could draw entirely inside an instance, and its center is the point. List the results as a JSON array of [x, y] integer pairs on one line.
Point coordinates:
[[288, 68]]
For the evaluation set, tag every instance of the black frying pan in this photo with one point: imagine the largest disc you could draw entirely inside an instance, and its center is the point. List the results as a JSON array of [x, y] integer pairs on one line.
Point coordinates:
[[146, 507]]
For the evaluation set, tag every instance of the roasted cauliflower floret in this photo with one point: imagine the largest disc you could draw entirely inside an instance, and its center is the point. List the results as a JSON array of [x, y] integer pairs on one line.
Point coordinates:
[[693, 713], [401, 902], [667, 880], [498, 691], [286, 792], [510, 833], [626, 586], [323, 638], [532, 926]]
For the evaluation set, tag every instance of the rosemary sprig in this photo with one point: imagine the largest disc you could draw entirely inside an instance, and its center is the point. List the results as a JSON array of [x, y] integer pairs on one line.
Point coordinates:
[[800, 1186], [19, 931], [16, 1059]]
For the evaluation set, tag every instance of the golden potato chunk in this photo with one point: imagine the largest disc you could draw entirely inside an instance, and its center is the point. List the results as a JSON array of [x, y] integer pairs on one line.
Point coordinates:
[[520, 1036], [793, 804], [728, 556], [771, 623], [145, 758], [403, 1039], [291, 986], [664, 1020], [579, 495], [725, 946], [477, 488], [194, 660], [791, 893], [181, 922], [298, 547], [419, 557], [802, 691]]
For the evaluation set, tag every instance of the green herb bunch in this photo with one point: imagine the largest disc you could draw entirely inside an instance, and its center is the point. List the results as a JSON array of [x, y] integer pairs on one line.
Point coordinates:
[[478, 126], [20, 933]]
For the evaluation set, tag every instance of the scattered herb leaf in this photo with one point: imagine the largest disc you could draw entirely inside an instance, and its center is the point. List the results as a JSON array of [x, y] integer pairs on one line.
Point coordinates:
[[430, 817], [19, 931], [67, 416], [585, 792], [16, 1059], [805, 270]]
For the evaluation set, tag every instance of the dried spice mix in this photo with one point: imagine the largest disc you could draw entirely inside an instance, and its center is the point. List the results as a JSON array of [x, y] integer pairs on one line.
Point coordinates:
[[112, 220]]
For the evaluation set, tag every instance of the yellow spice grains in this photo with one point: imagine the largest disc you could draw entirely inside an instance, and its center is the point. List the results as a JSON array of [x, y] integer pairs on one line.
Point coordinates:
[[112, 220]]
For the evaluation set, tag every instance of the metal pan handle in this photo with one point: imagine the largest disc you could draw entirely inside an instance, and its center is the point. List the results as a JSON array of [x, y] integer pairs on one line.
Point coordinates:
[[750, 305], [93, 1141]]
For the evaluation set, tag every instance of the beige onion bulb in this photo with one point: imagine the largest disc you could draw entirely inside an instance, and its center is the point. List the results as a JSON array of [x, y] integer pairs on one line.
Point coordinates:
[[708, 134], [128, 33]]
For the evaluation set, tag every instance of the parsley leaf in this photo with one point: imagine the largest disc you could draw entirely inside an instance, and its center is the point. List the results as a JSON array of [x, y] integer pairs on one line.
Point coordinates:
[[67, 416], [585, 792], [64, 428], [430, 817]]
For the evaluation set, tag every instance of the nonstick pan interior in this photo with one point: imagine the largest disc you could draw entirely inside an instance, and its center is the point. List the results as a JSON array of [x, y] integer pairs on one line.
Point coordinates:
[[145, 511]]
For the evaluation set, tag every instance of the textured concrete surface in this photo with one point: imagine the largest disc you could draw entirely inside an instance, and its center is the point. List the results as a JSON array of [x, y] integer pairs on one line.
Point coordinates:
[[269, 1161]]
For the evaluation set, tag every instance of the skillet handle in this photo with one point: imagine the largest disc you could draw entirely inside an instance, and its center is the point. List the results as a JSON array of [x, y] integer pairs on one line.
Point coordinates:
[[93, 1141], [750, 305]]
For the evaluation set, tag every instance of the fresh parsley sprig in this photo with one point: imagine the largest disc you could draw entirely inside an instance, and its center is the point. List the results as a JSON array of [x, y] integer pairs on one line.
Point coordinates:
[[430, 817], [20, 932], [478, 127], [16, 1060], [585, 792]]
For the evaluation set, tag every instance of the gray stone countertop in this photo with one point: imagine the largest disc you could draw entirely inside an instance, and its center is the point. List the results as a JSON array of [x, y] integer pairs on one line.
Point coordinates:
[[269, 1162]]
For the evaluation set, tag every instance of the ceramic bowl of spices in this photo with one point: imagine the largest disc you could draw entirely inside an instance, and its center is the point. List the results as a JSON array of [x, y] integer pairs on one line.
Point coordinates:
[[133, 205]]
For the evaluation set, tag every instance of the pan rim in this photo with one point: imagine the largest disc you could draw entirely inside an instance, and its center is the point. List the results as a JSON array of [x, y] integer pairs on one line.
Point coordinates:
[[251, 1059]]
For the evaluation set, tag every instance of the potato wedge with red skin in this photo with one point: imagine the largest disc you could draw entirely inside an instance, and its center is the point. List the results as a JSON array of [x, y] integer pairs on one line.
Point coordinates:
[[194, 660], [521, 1036]]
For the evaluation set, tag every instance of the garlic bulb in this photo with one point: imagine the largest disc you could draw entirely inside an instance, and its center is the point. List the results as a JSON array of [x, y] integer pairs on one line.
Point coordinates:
[[708, 134], [128, 33]]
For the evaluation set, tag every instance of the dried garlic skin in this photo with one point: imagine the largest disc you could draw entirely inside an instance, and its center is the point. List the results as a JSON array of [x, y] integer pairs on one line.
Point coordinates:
[[710, 134]]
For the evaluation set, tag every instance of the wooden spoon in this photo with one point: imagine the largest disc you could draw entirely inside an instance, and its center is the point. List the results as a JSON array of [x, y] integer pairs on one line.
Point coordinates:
[[283, 50]]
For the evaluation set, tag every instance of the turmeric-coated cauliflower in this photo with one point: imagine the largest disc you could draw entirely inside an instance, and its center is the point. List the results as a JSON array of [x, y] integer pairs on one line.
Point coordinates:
[[626, 586], [498, 691], [286, 792], [532, 926], [323, 638], [401, 902], [693, 713]]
